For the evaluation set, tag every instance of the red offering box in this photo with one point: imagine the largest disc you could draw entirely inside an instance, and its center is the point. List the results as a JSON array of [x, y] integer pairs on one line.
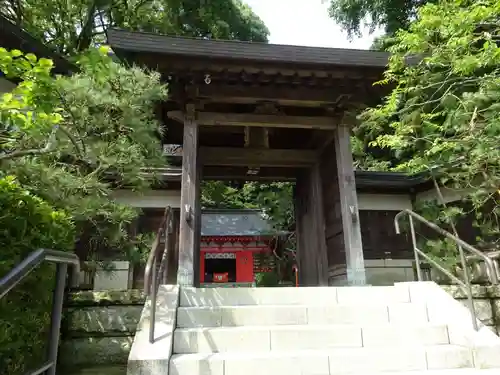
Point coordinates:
[[221, 277]]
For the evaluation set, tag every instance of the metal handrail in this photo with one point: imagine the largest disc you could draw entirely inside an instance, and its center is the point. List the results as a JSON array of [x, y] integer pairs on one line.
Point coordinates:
[[152, 275], [462, 244], [23, 269]]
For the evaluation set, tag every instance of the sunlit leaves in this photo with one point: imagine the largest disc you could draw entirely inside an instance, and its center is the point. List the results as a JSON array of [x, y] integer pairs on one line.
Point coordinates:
[[100, 125], [444, 111], [71, 27]]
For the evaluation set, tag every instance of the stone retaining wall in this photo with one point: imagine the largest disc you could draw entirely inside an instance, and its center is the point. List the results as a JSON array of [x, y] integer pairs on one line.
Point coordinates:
[[99, 326], [486, 303]]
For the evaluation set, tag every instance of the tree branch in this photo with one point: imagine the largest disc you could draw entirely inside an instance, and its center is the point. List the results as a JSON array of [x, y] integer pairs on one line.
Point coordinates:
[[49, 147]]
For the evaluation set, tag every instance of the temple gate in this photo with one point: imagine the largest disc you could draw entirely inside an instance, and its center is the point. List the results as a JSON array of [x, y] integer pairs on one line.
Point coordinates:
[[255, 111]]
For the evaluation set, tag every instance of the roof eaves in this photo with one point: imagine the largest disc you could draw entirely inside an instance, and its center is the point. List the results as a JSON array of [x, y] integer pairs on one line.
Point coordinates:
[[123, 42], [25, 42]]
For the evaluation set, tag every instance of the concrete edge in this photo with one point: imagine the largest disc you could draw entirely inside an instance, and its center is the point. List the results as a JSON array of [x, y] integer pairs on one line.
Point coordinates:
[[443, 308], [152, 359]]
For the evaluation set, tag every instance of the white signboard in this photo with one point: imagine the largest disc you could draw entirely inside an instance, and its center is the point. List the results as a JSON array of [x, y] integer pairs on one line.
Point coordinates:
[[220, 256]]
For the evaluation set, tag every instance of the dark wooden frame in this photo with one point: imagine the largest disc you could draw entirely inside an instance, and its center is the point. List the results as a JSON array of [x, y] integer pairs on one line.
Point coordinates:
[[259, 112]]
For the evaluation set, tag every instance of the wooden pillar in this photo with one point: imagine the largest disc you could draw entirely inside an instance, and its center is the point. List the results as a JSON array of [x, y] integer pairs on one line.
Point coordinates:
[[189, 225], [173, 251], [300, 228], [349, 208], [310, 229], [318, 225]]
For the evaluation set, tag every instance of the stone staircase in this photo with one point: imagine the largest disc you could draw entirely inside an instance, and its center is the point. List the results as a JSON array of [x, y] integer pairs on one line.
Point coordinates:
[[408, 328]]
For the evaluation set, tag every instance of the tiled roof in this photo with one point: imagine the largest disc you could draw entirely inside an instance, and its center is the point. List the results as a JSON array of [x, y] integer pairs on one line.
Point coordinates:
[[126, 41], [234, 223]]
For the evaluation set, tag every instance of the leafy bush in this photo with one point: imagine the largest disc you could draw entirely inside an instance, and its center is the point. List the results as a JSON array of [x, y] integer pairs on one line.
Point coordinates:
[[27, 223], [266, 279]]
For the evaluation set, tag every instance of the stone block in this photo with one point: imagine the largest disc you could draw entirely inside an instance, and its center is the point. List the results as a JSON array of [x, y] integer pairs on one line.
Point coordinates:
[[495, 309], [493, 291], [487, 356], [95, 351], [150, 367], [192, 297], [315, 337], [263, 315], [371, 294], [448, 357], [151, 358], [188, 317], [404, 335], [117, 279], [277, 363], [457, 292], [221, 340], [199, 364], [371, 361], [96, 370], [107, 298], [347, 314], [443, 309], [408, 313], [104, 320], [483, 310]]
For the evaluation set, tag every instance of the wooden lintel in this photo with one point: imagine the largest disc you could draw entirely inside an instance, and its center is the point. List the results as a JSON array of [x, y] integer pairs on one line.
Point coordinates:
[[252, 157], [244, 119], [286, 95]]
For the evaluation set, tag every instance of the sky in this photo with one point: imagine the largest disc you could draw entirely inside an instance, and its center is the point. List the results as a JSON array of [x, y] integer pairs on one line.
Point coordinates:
[[304, 23]]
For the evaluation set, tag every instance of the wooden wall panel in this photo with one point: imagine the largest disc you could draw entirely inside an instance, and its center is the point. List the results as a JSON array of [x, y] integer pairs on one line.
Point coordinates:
[[380, 240]]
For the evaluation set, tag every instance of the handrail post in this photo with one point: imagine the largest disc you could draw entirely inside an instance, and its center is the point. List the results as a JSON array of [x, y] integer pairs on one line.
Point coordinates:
[[415, 252], [153, 290], [461, 245], [56, 315]]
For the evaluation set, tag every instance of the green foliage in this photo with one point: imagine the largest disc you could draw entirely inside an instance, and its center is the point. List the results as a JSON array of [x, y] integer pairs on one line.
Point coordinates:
[[266, 279], [67, 138], [27, 223], [391, 15], [72, 27], [443, 114], [275, 199]]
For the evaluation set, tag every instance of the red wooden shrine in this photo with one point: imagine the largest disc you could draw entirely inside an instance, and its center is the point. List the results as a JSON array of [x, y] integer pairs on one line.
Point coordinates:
[[230, 259]]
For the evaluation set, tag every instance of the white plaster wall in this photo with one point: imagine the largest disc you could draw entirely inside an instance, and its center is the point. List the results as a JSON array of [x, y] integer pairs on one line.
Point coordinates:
[[149, 199], [449, 195], [6, 86], [117, 279], [388, 202]]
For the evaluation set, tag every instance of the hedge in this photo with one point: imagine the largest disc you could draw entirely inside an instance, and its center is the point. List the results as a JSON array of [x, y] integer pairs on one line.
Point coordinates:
[[26, 224]]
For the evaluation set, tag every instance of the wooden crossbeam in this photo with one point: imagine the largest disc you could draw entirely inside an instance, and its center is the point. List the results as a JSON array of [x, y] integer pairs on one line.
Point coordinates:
[[232, 173], [286, 95], [252, 157], [244, 119]]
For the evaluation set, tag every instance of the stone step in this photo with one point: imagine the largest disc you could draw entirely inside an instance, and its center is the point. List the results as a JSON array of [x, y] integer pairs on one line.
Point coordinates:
[[190, 297], [266, 315], [359, 361], [306, 337]]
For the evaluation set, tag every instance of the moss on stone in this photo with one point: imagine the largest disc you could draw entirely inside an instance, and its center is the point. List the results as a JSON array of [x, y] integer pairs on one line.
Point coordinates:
[[106, 298]]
